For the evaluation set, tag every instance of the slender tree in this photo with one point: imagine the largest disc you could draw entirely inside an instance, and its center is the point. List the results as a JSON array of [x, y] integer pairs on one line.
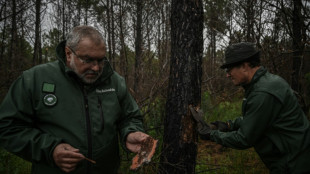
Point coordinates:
[[3, 11], [123, 52], [138, 44], [13, 50], [298, 45], [113, 44], [37, 43]]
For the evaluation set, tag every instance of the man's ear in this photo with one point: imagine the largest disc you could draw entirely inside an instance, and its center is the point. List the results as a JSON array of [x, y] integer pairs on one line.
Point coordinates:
[[68, 54]]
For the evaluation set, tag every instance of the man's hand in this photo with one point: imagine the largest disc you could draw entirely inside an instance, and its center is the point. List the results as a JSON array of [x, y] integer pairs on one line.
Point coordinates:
[[66, 157], [134, 141], [203, 128], [221, 126]]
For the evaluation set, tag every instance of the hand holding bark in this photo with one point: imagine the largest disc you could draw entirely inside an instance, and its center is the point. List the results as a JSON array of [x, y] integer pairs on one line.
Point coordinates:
[[135, 140]]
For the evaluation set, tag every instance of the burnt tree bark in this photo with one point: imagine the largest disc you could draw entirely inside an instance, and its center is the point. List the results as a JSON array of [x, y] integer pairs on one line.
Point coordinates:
[[180, 138]]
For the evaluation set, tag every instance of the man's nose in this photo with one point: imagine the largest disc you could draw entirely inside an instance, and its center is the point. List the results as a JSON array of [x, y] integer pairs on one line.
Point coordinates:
[[95, 67], [228, 75]]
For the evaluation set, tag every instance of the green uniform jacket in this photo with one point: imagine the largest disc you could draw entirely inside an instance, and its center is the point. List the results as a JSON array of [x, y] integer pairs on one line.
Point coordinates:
[[273, 123], [91, 118]]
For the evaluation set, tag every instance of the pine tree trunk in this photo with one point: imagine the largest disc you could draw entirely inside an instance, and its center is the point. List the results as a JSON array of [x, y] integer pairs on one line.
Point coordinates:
[[180, 138]]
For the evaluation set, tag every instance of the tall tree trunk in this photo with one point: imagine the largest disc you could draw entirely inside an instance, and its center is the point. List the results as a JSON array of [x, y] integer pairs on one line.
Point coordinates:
[[113, 35], [37, 42], [86, 12], [123, 54], [250, 20], [298, 45], [40, 48], [138, 45], [109, 31], [78, 20], [180, 138], [298, 48], [13, 50], [3, 36], [63, 20]]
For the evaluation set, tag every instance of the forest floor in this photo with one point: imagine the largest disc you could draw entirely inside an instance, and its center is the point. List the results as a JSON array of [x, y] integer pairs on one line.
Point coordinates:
[[214, 158]]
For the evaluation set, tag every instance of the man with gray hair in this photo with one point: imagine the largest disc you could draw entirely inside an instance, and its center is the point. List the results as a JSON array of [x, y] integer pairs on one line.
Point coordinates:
[[272, 121], [69, 115]]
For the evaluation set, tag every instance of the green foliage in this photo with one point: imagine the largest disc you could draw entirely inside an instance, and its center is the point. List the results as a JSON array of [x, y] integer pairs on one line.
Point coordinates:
[[216, 15], [153, 126], [12, 164], [50, 42], [222, 111], [24, 49]]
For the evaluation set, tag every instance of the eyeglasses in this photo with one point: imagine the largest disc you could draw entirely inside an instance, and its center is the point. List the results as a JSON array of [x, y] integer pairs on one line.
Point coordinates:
[[90, 61], [227, 70]]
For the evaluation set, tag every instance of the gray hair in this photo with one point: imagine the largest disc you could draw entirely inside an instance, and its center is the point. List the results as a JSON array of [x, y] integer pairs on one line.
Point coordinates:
[[83, 31]]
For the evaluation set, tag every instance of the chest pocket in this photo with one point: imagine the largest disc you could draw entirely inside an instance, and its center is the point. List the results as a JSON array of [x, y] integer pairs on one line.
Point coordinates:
[[107, 112]]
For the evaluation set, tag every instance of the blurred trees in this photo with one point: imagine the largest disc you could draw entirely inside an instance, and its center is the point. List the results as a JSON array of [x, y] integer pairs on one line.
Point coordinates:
[[139, 39]]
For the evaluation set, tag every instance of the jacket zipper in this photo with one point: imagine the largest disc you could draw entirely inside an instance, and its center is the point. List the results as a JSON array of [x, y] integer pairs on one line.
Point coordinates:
[[88, 127], [101, 112]]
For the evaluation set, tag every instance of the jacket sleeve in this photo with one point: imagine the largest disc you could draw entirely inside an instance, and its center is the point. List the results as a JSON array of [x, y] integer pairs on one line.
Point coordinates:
[[18, 133], [260, 110], [131, 118]]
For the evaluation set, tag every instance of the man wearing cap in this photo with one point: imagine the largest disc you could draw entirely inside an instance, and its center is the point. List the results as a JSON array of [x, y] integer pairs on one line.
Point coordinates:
[[272, 121]]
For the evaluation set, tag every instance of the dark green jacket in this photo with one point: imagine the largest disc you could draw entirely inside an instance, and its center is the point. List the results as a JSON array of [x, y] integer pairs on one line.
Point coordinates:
[[91, 118], [273, 123]]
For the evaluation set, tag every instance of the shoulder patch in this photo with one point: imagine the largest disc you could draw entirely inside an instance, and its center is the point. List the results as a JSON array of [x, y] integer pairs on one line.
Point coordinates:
[[48, 87]]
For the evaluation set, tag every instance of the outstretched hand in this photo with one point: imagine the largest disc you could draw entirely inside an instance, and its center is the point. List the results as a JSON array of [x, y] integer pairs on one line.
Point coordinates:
[[135, 140], [66, 157], [203, 128]]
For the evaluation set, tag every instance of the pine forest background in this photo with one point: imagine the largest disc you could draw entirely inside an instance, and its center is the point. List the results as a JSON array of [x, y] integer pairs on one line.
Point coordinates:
[[138, 35]]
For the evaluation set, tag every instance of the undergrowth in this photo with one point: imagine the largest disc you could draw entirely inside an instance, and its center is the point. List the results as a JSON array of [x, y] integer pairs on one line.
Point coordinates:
[[216, 159]]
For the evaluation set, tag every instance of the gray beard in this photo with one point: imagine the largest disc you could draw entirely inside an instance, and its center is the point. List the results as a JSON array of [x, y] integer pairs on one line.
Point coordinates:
[[82, 76]]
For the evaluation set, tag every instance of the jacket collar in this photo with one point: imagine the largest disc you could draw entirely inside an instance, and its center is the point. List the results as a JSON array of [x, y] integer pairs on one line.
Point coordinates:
[[61, 56], [259, 73]]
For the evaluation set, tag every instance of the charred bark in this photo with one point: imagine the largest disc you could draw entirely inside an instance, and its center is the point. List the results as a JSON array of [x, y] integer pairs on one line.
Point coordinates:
[[180, 138]]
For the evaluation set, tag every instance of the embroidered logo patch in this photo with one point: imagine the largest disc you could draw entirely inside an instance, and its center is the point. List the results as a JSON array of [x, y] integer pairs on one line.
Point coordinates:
[[100, 91], [50, 99]]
